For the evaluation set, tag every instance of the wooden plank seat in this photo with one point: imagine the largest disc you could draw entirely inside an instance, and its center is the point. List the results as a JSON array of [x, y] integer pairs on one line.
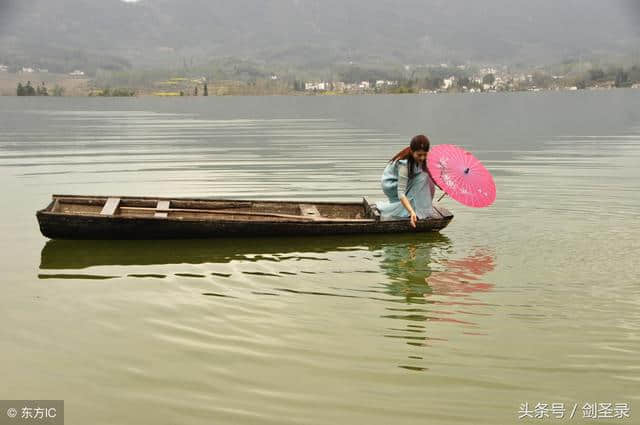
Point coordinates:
[[309, 210], [163, 205], [110, 206]]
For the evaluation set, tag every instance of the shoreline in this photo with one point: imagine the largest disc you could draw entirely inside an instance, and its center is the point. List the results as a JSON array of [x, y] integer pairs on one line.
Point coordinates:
[[67, 86], [298, 94]]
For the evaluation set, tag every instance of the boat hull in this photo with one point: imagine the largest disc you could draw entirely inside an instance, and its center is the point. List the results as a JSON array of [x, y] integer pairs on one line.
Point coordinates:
[[69, 225]]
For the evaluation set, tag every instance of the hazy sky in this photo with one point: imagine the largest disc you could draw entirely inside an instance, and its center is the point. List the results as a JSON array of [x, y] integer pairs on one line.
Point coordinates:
[[304, 31]]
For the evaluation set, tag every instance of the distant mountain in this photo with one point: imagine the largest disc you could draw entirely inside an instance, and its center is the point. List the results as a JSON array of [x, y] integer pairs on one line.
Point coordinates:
[[115, 34]]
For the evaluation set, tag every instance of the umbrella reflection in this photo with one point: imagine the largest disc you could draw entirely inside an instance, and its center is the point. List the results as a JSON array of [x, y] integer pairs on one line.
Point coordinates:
[[462, 276]]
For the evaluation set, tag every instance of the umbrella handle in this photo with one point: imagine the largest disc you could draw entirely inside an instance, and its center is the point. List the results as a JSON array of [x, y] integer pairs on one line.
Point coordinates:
[[443, 195]]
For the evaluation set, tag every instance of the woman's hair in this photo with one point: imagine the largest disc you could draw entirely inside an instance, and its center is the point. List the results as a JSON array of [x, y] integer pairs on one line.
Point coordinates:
[[418, 143]]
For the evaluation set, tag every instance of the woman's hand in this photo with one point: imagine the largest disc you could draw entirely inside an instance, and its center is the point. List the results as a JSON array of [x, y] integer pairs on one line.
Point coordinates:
[[414, 218]]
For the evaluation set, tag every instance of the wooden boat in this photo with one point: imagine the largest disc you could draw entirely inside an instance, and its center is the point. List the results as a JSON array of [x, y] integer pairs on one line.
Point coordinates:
[[126, 217]]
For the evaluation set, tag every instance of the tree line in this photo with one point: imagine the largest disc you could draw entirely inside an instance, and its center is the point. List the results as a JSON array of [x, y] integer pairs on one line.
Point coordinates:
[[40, 90]]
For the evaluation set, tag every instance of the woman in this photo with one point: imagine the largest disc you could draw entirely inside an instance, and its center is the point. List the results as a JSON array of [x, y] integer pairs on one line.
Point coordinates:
[[407, 184]]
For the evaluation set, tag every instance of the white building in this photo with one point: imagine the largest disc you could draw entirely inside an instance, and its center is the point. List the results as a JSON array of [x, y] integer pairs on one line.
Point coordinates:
[[4, 68], [27, 70], [316, 86], [77, 73], [488, 70], [364, 85], [448, 82], [388, 83]]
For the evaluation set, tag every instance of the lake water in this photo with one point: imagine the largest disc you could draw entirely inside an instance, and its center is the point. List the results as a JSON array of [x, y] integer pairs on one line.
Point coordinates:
[[533, 300]]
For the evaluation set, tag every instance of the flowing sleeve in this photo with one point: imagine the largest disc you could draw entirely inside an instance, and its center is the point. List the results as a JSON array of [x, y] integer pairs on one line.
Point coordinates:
[[403, 178], [432, 187]]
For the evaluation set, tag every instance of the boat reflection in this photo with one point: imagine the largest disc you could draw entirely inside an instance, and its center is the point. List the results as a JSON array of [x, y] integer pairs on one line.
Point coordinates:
[[423, 282], [413, 273], [82, 254]]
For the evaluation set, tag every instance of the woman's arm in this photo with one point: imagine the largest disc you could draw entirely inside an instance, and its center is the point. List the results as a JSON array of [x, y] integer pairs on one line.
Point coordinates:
[[413, 217], [403, 178]]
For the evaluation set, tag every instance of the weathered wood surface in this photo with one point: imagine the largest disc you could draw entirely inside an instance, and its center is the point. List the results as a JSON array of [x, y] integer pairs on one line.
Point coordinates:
[[309, 210], [61, 223], [239, 212], [154, 200], [110, 206]]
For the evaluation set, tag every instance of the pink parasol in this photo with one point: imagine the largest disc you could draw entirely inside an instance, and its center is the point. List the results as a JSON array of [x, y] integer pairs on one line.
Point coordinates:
[[461, 176]]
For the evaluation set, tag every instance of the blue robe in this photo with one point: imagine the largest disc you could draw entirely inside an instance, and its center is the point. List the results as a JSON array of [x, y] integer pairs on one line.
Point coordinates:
[[419, 192]]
